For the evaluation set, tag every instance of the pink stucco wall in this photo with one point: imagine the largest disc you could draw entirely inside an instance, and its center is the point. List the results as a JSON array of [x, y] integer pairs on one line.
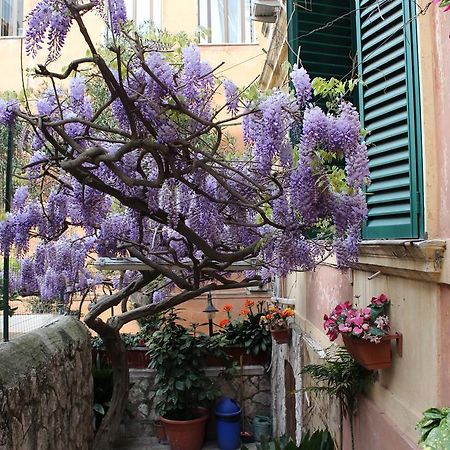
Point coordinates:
[[443, 346], [374, 431], [325, 288], [434, 33]]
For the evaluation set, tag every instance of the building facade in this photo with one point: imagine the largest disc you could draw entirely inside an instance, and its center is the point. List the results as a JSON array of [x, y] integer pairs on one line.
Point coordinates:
[[400, 51]]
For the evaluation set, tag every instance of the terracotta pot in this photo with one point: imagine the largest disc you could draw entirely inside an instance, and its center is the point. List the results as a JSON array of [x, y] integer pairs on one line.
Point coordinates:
[[370, 355], [137, 358], [186, 434], [236, 353], [160, 431], [281, 336]]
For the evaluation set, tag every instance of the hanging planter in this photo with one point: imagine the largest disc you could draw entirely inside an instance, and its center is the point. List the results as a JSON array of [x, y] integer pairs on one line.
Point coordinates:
[[281, 336], [372, 355]]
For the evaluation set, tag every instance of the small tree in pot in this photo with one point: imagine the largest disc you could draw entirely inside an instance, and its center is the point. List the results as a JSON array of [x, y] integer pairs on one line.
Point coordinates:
[[183, 390]]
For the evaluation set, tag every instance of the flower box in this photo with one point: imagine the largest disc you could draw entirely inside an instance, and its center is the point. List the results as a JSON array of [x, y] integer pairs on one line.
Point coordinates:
[[372, 355], [136, 357], [238, 354], [281, 336]]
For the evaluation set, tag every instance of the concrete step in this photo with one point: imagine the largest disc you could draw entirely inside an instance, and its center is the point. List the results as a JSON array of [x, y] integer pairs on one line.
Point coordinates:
[[151, 443]]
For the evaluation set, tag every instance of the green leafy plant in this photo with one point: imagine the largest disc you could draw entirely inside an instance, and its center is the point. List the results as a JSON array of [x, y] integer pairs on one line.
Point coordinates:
[[103, 389], [435, 429], [247, 331], [341, 378], [319, 440], [179, 356]]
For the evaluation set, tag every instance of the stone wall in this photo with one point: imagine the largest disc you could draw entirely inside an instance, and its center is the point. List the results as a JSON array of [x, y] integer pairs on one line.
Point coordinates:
[[308, 411], [251, 390], [46, 389], [292, 354]]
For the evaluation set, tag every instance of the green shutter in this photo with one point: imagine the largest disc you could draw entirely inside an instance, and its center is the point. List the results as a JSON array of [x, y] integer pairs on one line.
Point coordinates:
[[323, 31], [389, 107]]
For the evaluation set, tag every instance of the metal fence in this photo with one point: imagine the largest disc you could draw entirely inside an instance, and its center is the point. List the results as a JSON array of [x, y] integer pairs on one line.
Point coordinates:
[[24, 314]]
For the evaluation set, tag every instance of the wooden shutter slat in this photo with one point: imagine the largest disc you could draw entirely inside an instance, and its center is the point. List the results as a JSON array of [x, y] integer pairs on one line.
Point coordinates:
[[388, 106]]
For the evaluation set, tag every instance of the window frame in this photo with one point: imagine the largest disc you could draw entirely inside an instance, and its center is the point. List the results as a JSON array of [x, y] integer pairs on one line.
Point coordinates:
[[244, 39], [157, 21], [16, 21]]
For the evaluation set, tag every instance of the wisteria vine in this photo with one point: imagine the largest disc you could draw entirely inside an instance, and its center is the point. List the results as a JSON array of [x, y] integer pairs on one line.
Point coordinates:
[[144, 172]]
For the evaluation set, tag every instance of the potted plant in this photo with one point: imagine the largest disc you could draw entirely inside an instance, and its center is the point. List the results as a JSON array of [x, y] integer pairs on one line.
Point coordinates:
[[434, 429], [277, 321], [136, 351], [182, 388], [341, 378], [365, 331], [248, 341]]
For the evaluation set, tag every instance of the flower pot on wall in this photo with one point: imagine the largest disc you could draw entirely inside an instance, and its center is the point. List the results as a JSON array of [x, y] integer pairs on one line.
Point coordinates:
[[372, 355], [137, 358], [281, 336], [186, 434], [238, 354]]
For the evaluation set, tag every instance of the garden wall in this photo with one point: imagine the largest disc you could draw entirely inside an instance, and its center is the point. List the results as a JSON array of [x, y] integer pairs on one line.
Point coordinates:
[[251, 390], [294, 410], [46, 389]]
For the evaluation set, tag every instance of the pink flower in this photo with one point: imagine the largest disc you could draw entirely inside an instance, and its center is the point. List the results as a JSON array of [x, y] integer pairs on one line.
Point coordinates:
[[380, 300], [359, 320], [438, 2], [357, 330]]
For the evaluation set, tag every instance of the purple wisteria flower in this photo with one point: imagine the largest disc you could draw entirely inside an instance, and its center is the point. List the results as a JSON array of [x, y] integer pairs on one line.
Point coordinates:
[[302, 84], [231, 96]]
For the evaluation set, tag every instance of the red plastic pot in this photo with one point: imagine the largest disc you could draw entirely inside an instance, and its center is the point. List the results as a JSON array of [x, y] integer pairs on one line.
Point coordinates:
[[186, 434], [371, 355], [281, 336], [137, 357], [239, 353]]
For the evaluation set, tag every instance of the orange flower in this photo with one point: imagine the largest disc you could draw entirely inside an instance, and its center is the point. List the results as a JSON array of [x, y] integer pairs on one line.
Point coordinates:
[[249, 303], [288, 312], [245, 312], [269, 316], [223, 323], [227, 308]]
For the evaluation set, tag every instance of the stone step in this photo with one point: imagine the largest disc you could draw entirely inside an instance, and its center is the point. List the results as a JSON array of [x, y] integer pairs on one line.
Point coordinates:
[[151, 443]]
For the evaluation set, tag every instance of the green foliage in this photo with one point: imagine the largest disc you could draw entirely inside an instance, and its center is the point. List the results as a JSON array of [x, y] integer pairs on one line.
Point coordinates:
[[332, 90], [130, 339], [319, 440], [341, 378], [179, 357], [249, 333], [103, 389], [434, 429]]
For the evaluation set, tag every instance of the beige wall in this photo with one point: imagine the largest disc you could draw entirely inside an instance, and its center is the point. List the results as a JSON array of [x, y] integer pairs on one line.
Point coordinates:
[[11, 49], [176, 16], [419, 286], [434, 28]]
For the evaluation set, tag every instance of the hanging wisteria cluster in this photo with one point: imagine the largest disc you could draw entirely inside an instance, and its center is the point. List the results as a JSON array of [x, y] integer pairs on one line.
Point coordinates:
[[145, 173]]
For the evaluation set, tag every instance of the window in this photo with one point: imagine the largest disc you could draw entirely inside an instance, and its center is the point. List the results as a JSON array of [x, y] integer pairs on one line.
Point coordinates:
[[390, 110], [144, 11], [228, 21], [11, 17], [382, 34]]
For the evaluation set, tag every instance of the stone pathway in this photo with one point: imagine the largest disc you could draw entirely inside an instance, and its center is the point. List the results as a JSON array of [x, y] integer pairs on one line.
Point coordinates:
[[152, 444]]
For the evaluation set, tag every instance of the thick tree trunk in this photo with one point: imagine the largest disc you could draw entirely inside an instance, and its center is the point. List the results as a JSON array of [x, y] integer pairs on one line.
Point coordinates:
[[107, 433]]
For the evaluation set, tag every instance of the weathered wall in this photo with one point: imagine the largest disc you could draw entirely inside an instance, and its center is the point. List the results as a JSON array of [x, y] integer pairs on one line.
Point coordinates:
[[46, 389], [281, 354], [311, 411], [254, 398]]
